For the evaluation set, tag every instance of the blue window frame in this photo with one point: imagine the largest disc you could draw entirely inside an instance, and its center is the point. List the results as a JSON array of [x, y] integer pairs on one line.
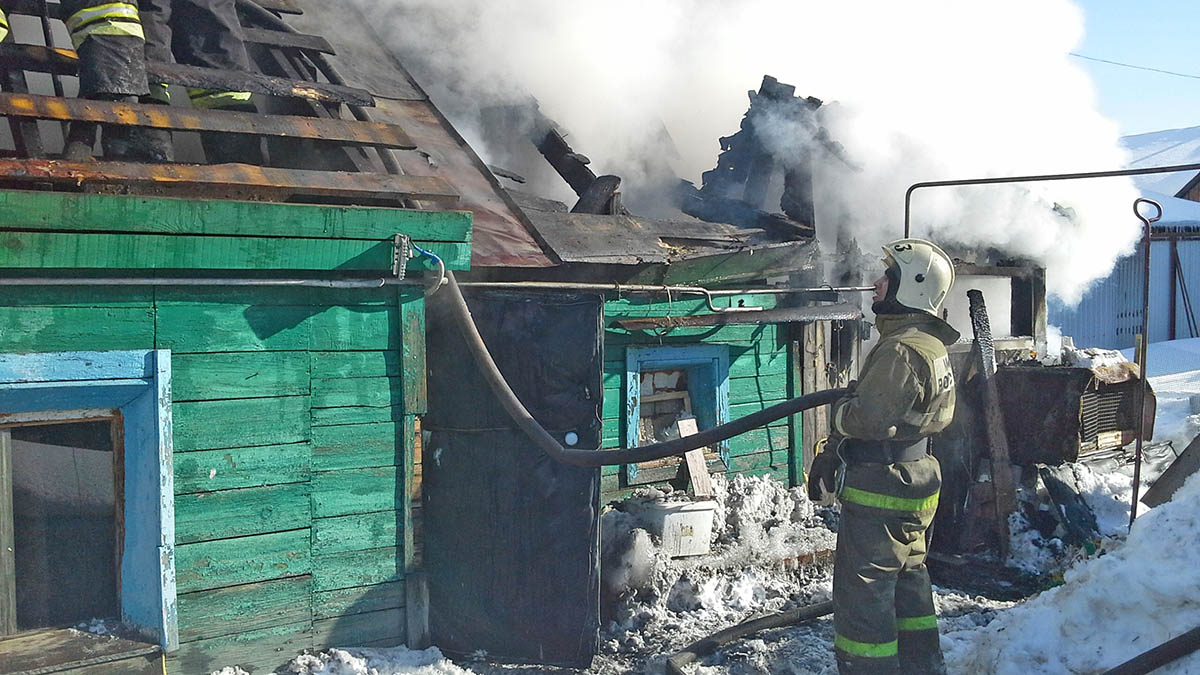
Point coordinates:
[[138, 384], [707, 369]]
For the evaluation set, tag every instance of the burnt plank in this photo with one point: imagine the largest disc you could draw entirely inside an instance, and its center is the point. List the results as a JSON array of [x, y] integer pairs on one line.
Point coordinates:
[[569, 164], [185, 119], [281, 6], [66, 62], [598, 196], [276, 38], [265, 182]]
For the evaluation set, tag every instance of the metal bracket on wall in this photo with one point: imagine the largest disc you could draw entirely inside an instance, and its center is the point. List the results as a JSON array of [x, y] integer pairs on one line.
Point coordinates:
[[401, 253]]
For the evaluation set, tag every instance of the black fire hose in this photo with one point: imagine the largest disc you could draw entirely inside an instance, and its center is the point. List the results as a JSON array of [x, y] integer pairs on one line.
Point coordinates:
[[715, 641], [1160, 656], [577, 457]]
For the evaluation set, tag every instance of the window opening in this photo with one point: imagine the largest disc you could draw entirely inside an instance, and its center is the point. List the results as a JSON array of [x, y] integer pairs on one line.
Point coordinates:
[[65, 522]]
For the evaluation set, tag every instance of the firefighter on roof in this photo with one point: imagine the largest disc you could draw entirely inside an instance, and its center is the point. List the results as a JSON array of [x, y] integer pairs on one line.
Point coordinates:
[[877, 462]]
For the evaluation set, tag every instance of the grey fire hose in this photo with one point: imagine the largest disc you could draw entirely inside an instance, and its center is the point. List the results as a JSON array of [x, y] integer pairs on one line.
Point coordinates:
[[591, 458], [715, 641]]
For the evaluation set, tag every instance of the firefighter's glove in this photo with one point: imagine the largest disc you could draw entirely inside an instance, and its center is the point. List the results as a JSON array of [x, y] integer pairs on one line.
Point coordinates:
[[822, 477]]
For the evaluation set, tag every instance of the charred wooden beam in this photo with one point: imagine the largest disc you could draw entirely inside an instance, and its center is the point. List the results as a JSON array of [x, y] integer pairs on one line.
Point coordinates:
[[997, 439], [262, 181], [569, 164], [281, 6], [65, 62], [598, 196], [186, 119], [275, 38], [736, 212]]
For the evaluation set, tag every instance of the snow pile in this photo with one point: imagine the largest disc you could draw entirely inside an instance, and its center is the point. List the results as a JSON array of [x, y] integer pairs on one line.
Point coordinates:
[[394, 661], [766, 538], [1109, 609]]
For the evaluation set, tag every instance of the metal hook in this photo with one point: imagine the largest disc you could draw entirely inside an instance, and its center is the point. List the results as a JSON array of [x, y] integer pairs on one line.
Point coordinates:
[[1138, 212]]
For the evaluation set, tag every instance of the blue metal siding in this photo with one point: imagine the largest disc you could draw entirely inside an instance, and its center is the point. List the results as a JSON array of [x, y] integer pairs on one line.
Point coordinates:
[[1110, 313]]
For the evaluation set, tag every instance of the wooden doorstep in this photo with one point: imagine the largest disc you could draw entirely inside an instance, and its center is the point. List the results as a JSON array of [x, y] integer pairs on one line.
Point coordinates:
[[351, 132], [56, 650]]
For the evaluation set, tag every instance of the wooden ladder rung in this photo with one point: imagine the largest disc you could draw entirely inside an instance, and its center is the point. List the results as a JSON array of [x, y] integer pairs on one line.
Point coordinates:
[[263, 181], [350, 132], [65, 62]]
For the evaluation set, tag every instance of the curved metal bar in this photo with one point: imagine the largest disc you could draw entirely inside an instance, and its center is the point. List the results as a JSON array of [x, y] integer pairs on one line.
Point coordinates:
[[1143, 342], [1035, 179]]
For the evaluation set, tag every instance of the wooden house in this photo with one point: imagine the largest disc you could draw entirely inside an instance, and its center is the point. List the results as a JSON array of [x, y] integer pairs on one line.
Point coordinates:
[[215, 432]]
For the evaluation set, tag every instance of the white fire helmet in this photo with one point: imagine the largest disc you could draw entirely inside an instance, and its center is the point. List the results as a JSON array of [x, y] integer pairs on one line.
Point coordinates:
[[926, 274]]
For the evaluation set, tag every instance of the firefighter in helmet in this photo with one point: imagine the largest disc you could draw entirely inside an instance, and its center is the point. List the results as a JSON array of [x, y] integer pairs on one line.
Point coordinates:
[[878, 464]]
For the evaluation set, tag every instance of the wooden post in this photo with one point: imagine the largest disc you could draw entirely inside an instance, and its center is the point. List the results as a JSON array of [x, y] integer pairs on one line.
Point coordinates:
[[8, 574], [993, 420]]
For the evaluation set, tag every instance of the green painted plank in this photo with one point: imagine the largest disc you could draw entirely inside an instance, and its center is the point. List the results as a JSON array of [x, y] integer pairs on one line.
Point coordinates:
[[751, 389], [221, 327], [228, 562], [776, 461], [756, 361], [356, 415], [358, 600], [237, 513], [52, 250], [208, 425], [203, 377], [357, 568], [238, 609], [359, 445], [412, 326], [760, 440], [258, 651], [51, 329], [357, 391], [357, 532], [328, 365], [383, 628], [341, 493], [80, 296], [97, 212], [742, 409], [258, 466], [366, 328], [275, 295], [691, 335]]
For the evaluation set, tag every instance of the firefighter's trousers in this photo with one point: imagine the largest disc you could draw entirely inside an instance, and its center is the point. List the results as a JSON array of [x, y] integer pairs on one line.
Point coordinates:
[[883, 605]]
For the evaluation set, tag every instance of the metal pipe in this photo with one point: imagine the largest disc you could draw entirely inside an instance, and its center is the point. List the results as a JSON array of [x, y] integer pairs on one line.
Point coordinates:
[[618, 287], [1143, 342], [1035, 179], [165, 281], [594, 458], [1171, 650]]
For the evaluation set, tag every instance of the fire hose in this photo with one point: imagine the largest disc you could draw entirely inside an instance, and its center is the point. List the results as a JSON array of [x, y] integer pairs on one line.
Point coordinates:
[[593, 458]]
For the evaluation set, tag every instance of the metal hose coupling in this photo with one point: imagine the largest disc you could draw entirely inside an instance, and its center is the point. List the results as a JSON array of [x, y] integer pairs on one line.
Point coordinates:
[[593, 458]]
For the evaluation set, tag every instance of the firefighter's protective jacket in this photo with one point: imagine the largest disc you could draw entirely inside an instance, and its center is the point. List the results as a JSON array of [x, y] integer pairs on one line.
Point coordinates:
[[906, 390]]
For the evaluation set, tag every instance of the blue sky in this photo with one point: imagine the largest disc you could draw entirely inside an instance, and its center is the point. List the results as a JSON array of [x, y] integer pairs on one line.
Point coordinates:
[[1154, 33]]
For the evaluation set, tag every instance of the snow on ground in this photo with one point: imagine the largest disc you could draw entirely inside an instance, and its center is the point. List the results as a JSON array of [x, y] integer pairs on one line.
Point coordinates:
[[1111, 608]]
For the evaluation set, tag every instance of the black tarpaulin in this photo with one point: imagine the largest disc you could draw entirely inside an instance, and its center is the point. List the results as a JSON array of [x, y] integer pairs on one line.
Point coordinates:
[[511, 536]]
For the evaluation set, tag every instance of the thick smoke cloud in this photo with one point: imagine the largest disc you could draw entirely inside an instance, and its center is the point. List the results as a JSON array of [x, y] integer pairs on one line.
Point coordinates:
[[924, 90]]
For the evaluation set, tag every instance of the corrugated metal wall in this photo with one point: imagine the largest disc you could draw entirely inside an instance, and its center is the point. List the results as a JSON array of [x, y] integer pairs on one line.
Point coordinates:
[[1110, 313]]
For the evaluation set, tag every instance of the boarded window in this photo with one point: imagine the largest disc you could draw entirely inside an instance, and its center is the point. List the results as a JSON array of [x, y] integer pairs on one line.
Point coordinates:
[[64, 524]]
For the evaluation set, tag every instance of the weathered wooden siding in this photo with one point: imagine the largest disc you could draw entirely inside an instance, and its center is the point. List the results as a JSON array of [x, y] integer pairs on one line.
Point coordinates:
[[294, 420], [759, 366]]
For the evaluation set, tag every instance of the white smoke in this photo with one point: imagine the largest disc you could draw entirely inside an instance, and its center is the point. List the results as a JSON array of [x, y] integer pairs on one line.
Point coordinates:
[[925, 90]]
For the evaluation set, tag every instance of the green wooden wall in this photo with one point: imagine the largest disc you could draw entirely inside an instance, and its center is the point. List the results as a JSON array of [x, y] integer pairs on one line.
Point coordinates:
[[759, 376], [293, 425]]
